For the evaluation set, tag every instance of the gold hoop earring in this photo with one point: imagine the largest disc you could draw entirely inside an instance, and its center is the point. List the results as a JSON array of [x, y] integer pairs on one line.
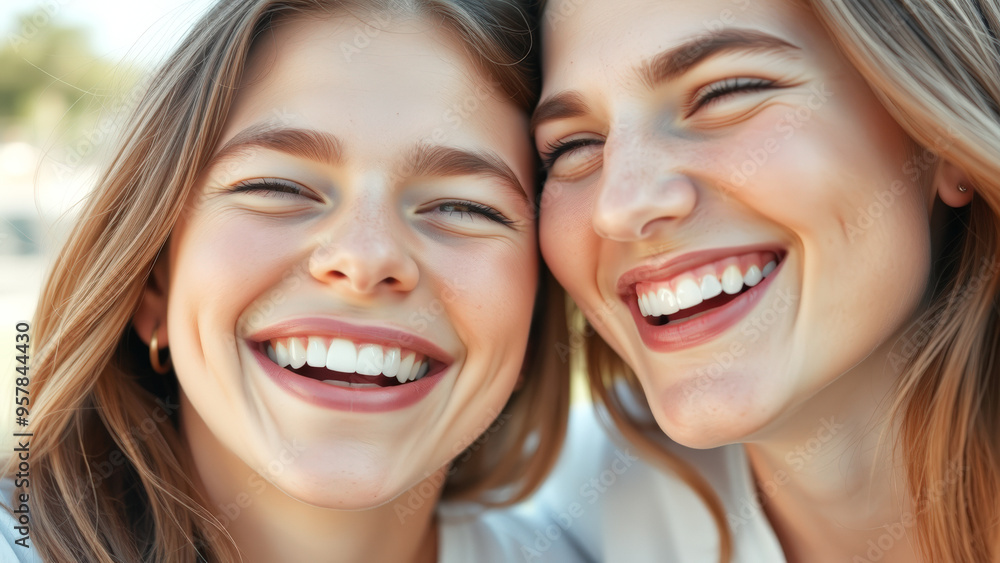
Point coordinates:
[[962, 188], [154, 354]]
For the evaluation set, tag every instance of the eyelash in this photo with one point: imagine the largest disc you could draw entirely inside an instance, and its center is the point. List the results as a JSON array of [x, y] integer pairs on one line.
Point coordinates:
[[726, 87], [703, 97], [269, 187], [477, 208], [554, 150]]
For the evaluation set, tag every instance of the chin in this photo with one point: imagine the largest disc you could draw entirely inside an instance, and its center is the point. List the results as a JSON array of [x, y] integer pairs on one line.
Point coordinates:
[[726, 412], [345, 478], [341, 491]]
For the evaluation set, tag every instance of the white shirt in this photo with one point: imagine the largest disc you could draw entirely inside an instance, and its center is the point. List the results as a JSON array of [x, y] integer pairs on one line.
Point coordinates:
[[497, 536], [467, 534], [620, 509]]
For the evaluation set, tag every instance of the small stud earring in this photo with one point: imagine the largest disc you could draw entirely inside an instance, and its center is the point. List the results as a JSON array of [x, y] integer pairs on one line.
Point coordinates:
[[962, 188]]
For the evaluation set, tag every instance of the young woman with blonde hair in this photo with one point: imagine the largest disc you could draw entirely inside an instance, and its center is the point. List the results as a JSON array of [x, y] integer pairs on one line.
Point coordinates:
[[780, 220], [290, 315]]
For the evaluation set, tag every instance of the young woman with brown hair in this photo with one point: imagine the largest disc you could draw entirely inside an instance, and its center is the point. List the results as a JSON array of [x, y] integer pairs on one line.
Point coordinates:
[[292, 312], [780, 219]]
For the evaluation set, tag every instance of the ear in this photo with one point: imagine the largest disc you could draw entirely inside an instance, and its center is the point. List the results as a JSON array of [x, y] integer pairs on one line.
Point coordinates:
[[948, 181], [152, 311]]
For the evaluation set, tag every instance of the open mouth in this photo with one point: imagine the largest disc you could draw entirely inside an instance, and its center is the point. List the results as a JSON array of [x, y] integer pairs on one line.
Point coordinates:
[[701, 290], [345, 363]]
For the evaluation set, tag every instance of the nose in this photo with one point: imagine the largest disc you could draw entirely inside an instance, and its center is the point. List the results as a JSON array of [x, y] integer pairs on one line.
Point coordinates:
[[363, 254], [640, 192]]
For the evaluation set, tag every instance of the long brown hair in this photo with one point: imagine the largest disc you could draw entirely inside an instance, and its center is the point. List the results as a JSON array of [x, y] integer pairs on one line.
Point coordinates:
[[935, 65], [109, 473]]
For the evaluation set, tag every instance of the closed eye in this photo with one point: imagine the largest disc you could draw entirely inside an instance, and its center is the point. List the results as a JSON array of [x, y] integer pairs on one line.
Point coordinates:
[[722, 89], [470, 210], [553, 151], [272, 187]]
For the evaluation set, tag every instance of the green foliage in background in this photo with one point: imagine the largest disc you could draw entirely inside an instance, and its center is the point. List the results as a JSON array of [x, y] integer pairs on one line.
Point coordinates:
[[50, 77]]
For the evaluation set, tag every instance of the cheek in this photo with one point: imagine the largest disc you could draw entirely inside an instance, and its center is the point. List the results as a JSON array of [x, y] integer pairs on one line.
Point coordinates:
[[830, 177], [488, 291], [488, 297], [221, 267], [566, 236], [841, 190]]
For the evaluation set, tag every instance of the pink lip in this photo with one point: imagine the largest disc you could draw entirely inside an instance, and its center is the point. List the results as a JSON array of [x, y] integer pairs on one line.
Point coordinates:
[[364, 400], [662, 270], [334, 328], [672, 337]]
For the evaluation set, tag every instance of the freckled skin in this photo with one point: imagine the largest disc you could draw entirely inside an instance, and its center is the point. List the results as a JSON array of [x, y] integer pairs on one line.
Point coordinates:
[[368, 245], [797, 165]]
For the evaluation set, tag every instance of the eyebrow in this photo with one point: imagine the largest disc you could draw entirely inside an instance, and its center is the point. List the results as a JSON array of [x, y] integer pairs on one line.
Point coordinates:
[[439, 160], [560, 106], [667, 65], [678, 60], [425, 159], [306, 143]]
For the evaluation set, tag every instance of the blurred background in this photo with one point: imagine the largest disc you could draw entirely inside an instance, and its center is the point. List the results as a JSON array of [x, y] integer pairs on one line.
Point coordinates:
[[68, 70]]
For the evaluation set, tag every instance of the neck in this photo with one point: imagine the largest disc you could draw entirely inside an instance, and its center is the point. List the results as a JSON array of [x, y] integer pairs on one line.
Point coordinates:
[[268, 525], [828, 478]]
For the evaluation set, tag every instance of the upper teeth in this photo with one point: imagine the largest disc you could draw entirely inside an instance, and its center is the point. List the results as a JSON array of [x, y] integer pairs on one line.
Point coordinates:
[[688, 291], [345, 356]]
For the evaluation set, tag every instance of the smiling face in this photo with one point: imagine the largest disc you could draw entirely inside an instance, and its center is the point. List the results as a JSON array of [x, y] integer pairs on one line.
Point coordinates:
[[351, 289], [728, 203]]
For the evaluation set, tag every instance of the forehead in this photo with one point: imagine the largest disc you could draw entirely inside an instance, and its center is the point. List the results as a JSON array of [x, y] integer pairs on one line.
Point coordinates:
[[368, 81], [593, 41]]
